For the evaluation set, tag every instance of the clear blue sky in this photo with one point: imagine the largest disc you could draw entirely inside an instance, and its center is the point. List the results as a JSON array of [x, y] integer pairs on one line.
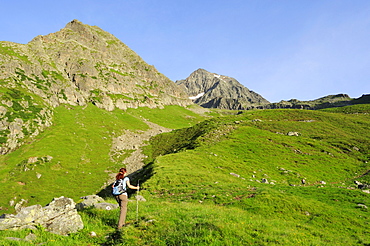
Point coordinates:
[[281, 49]]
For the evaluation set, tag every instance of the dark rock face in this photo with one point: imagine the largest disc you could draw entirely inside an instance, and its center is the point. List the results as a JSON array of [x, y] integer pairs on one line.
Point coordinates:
[[211, 90]]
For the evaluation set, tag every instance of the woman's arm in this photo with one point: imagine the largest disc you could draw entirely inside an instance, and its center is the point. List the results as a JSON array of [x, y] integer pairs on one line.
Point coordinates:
[[131, 186]]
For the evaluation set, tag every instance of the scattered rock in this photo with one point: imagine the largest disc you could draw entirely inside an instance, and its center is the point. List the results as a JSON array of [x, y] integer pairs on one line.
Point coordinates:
[[309, 121], [361, 185], [20, 205], [32, 160], [357, 182], [96, 202], [140, 198], [293, 134], [12, 202], [89, 201], [360, 205], [236, 175], [58, 217], [30, 237]]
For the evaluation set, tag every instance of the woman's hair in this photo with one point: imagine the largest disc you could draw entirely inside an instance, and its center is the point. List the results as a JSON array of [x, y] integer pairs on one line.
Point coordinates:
[[121, 173]]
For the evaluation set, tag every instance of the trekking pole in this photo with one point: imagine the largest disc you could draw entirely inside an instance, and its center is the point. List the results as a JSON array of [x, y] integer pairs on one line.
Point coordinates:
[[137, 203]]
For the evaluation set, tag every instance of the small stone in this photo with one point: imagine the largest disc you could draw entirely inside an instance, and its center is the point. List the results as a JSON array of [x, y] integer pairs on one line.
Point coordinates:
[[293, 134], [360, 205], [236, 175], [140, 198], [30, 237]]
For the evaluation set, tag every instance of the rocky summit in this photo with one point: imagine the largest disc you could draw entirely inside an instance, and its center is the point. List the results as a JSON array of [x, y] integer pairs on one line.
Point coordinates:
[[211, 90], [77, 65]]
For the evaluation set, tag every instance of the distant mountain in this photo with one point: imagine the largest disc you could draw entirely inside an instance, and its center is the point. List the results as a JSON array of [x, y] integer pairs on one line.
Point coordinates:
[[211, 90], [77, 65], [329, 101]]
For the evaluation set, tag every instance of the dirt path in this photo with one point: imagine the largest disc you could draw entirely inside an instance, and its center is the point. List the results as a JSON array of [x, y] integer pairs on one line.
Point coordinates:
[[133, 142]]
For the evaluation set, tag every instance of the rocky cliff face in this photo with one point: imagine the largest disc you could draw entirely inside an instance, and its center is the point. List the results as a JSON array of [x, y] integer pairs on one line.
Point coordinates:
[[211, 90], [76, 65]]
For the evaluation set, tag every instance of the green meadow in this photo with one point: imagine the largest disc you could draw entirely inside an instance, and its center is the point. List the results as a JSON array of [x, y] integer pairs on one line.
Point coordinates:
[[231, 179]]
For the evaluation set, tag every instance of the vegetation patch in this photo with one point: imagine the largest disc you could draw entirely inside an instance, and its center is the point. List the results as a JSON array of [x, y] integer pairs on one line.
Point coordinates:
[[6, 50]]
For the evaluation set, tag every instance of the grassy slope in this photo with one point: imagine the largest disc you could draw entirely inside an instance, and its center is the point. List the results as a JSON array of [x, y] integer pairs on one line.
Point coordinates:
[[193, 199], [79, 142], [210, 206]]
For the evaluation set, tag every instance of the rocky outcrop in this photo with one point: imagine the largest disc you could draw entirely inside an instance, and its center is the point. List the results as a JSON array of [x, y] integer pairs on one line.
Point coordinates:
[[96, 202], [211, 90], [59, 217], [77, 65]]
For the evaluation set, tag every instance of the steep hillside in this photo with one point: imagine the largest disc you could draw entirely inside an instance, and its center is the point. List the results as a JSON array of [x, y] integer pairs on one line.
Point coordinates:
[[313, 145], [211, 90], [240, 179], [76, 65], [81, 151]]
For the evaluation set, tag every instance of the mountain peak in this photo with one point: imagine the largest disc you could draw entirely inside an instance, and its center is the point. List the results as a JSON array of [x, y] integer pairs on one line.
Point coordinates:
[[74, 22], [211, 90], [85, 32], [76, 25]]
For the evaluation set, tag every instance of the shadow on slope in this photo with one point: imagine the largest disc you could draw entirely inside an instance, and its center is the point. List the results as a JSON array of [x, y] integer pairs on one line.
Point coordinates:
[[136, 178]]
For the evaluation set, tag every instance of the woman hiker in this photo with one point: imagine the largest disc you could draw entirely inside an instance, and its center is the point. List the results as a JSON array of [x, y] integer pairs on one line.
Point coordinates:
[[122, 199]]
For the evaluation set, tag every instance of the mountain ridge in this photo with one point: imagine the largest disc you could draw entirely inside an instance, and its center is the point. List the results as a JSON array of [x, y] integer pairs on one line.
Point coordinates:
[[211, 90], [77, 65]]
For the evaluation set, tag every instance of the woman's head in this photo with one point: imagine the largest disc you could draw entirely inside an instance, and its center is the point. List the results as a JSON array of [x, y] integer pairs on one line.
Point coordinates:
[[121, 173]]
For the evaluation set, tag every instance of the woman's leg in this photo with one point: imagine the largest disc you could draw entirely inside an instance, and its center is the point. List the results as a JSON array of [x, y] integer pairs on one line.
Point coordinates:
[[123, 207]]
